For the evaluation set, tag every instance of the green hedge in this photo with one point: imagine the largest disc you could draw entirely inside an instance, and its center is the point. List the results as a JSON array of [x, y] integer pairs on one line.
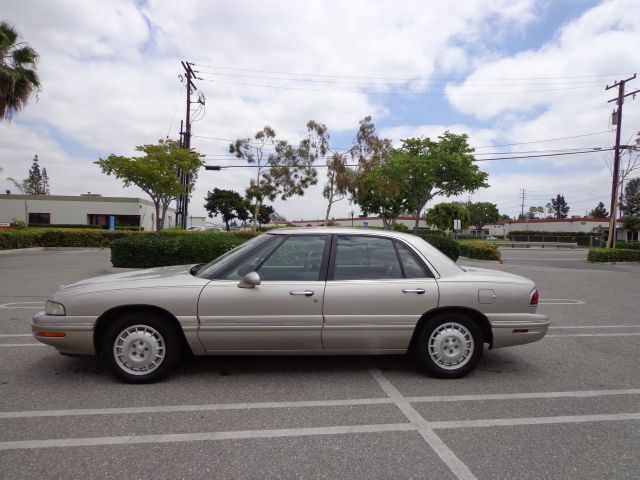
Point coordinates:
[[64, 225], [613, 255], [174, 249], [632, 245], [480, 250], [540, 233], [449, 247], [62, 237]]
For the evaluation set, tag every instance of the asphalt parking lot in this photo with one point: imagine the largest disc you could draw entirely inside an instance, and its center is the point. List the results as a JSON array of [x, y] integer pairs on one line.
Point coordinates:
[[565, 407]]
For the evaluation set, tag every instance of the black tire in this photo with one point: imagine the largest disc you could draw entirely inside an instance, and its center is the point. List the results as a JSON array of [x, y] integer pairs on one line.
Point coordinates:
[[155, 339], [455, 331]]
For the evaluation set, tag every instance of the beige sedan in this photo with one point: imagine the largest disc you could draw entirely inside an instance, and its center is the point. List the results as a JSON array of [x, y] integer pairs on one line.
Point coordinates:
[[297, 292]]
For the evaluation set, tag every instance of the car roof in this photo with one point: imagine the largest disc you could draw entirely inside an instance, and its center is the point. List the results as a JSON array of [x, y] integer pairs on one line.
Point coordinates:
[[337, 230]]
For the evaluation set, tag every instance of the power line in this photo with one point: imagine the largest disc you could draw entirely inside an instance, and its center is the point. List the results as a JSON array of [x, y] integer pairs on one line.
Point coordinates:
[[219, 67], [409, 94], [475, 160], [400, 82], [543, 141], [475, 148]]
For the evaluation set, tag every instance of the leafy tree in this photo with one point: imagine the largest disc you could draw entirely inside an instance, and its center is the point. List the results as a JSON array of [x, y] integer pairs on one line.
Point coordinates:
[[599, 212], [264, 214], [560, 207], [482, 213], [338, 177], [282, 169], [38, 181], [374, 185], [631, 222], [437, 167], [380, 191], [535, 212], [21, 185], [156, 173], [549, 210], [18, 78], [442, 215], [226, 203], [631, 204]]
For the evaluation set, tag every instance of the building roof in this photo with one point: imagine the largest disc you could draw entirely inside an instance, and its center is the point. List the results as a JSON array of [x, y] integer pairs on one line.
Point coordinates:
[[78, 198]]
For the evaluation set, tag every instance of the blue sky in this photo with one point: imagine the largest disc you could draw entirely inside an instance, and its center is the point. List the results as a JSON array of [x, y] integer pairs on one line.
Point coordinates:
[[502, 71]]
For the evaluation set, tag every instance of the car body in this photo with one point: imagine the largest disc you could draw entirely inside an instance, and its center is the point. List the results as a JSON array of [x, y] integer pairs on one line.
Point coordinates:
[[297, 291]]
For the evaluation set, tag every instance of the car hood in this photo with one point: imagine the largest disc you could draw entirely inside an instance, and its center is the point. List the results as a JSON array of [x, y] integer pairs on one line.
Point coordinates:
[[174, 276], [486, 274]]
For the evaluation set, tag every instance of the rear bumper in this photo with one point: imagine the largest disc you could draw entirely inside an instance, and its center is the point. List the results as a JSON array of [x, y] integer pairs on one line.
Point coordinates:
[[517, 328], [78, 333]]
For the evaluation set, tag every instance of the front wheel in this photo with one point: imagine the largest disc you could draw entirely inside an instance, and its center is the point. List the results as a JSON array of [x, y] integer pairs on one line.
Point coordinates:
[[449, 345], [139, 348]]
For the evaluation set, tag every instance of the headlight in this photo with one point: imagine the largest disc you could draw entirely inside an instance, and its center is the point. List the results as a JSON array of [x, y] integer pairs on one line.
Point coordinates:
[[53, 308]]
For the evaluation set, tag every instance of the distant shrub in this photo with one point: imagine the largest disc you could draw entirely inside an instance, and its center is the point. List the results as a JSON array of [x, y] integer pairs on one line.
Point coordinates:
[[59, 237], [480, 250], [632, 245], [400, 227], [18, 224], [179, 249], [449, 247], [613, 255]]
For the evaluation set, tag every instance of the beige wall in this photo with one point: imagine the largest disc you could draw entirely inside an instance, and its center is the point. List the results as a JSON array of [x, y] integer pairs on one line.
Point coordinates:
[[75, 210]]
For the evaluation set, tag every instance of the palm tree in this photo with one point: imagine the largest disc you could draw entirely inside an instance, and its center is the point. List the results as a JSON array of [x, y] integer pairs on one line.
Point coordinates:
[[18, 78]]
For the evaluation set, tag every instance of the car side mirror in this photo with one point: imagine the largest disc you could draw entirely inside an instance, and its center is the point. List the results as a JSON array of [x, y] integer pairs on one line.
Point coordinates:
[[250, 280], [195, 269]]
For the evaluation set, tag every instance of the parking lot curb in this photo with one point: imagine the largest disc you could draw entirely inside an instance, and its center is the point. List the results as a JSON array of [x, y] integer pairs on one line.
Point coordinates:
[[19, 250], [480, 261]]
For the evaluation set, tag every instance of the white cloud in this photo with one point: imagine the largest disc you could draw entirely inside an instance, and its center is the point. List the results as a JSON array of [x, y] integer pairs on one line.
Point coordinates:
[[109, 73]]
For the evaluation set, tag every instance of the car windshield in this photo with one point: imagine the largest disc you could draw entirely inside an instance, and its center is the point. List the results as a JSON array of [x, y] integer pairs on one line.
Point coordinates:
[[211, 269]]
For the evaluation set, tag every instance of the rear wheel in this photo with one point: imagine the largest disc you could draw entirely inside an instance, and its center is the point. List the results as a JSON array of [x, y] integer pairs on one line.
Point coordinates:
[[449, 345], [140, 348]]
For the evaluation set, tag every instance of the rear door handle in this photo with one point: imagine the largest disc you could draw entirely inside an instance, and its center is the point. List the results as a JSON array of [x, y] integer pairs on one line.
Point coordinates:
[[306, 293], [418, 291]]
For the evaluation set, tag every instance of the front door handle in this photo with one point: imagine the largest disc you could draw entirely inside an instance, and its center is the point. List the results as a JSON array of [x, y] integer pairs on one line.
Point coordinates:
[[306, 293], [418, 291]]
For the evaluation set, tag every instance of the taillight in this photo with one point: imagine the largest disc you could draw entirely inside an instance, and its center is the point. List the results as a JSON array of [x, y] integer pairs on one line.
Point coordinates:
[[534, 298]]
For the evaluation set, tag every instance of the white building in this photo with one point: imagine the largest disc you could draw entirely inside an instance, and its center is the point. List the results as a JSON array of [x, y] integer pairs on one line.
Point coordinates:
[[596, 226], [88, 209]]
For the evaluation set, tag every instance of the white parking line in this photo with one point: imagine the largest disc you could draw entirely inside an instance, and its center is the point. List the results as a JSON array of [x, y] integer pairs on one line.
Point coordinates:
[[23, 345], [6, 335], [560, 301], [32, 305], [558, 335], [206, 436], [531, 259], [457, 466], [311, 403], [593, 326], [512, 422]]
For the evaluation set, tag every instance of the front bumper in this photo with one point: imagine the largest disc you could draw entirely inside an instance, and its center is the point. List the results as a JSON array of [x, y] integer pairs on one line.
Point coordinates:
[[78, 333], [517, 328]]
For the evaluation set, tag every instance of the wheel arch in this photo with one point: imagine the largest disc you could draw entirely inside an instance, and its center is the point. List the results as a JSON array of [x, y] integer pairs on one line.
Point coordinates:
[[478, 317], [103, 321]]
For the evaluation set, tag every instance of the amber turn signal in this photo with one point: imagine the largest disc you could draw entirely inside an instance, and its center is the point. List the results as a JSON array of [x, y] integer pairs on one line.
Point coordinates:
[[51, 334]]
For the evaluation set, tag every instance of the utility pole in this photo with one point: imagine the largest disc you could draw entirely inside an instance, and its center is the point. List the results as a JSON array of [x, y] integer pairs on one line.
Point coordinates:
[[621, 190], [182, 207], [611, 240], [522, 193]]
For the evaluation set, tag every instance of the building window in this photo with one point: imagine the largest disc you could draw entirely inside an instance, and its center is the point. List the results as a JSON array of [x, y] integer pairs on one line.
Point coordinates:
[[42, 218], [102, 220]]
